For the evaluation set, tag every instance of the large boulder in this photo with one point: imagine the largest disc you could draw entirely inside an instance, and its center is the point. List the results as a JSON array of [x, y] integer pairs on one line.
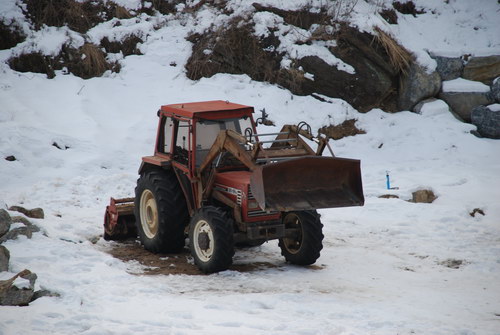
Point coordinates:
[[12, 295], [487, 120], [449, 68], [483, 69], [495, 90], [4, 258], [5, 222], [35, 213], [462, 103], [416, 86], [463, 95]]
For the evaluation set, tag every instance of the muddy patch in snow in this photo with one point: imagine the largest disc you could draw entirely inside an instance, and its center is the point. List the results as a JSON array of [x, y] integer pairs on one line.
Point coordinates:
[[172, 264]]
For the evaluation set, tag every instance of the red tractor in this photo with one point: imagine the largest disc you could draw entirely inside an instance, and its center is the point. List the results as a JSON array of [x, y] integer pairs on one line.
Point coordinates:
[[213, 178]]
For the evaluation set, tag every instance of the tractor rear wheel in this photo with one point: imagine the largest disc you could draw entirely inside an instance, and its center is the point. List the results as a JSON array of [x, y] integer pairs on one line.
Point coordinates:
[[211, 239], [160, 211], [303, 239]]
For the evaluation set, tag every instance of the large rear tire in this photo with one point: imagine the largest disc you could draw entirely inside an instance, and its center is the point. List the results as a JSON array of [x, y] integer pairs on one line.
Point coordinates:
[[303, 239], [161, 212], [211, 239]]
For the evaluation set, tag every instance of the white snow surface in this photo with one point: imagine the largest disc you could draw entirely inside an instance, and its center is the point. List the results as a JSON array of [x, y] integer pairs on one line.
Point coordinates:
[[464, 85], [383, 267]]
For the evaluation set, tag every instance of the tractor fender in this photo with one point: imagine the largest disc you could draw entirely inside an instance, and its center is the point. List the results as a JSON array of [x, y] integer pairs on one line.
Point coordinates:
[[154, 162]]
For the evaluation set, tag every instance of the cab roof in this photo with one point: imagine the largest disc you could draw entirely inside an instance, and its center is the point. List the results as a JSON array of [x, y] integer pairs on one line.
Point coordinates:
[[211, 110]]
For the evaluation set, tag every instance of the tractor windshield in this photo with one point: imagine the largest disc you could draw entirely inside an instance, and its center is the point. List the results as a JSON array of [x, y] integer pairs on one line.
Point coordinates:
[[207, 131]]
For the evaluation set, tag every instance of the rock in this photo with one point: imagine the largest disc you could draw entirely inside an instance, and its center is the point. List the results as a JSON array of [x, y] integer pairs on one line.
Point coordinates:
[[483, 69], [4, 258], [21, 219], [462, 103], [486, 121], [35, 213], [449, 68], [11, 295], [388, 196], [10, 158], [416, 86], [44, 293], [5, 222], [495, 90], [14, 233], [476, 211], [423, 196], [418, 107]]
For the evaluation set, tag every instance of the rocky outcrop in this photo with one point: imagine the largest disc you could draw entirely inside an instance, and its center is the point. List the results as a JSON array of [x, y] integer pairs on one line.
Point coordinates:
[[11, 295], [416, 86], [495, 90], [462, 103], [235, 49], [487, 121], [4, 258], [35, 213], [449, 67], [5, 222], [483, 69]]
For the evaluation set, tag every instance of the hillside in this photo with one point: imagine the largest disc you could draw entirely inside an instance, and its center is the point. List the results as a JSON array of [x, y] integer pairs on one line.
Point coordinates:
[[78, 103]]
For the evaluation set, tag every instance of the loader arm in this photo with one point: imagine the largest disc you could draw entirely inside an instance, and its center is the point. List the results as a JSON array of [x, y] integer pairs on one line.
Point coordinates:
[[229, 141]]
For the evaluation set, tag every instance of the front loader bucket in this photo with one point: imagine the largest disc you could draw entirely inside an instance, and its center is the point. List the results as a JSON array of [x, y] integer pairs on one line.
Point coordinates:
[[119, 219], [308, 183]]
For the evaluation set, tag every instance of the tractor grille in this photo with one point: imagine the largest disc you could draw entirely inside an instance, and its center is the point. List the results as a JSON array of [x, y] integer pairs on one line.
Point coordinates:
[[257, 211]]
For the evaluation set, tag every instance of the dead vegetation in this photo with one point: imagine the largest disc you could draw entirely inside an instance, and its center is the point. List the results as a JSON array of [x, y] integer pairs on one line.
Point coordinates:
[[127, 46], [346, 128], [10, 35], [400, 58], [78, 16], [231, 50], [407, 7], [85, 62], [389, 15]]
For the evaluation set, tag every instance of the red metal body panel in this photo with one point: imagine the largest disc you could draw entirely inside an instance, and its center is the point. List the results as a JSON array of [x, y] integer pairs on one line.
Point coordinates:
[[210, 110], [235, 185]]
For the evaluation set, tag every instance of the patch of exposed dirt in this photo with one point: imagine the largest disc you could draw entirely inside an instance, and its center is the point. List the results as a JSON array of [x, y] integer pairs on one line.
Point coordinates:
[[10, 36], [128, 46], [85, 62], [346, 128], [300, 18], [389, 15], [477, 211], [453, 263], [171, 264], [407, 7]]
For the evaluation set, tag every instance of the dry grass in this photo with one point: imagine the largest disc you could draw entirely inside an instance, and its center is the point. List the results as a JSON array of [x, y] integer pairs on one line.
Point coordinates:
[[233, 49], [400, 57], [94, 60], [120, 12], [346, 128]]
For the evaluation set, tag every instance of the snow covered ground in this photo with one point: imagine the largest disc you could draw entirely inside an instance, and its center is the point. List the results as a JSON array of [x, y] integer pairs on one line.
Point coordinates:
[[386, 268]]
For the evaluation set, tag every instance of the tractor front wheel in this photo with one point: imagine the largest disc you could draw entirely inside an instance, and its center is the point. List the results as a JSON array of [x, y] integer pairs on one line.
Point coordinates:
[[303, 239], [160, 211], [211, 239]]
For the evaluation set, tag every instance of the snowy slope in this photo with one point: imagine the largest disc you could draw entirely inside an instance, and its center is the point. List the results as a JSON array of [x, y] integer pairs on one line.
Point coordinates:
[[383, 268]]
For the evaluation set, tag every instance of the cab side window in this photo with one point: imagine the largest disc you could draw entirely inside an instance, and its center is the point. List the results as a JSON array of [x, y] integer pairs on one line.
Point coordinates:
[[181, 151], [168, 128]]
